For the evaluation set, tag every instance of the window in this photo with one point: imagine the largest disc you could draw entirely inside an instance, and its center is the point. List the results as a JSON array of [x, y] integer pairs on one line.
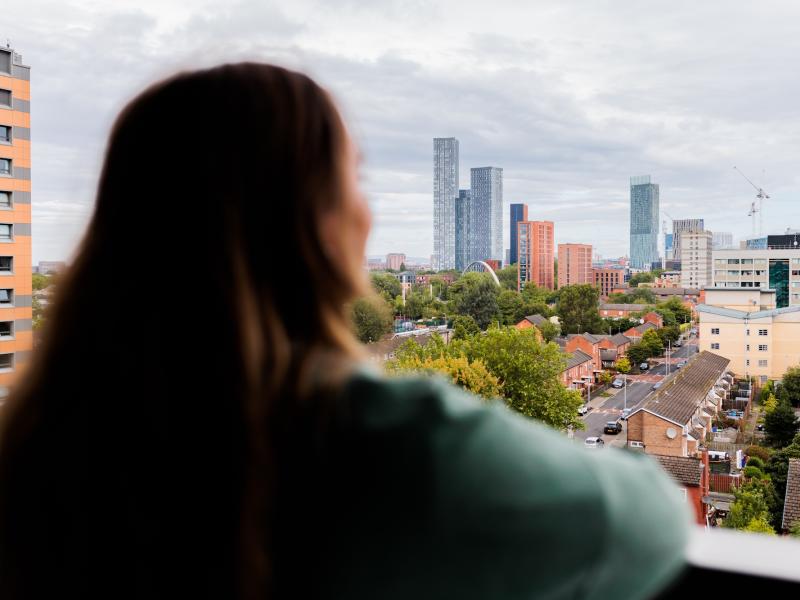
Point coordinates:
[[5, 134], [715, 346], [5, 98], [733, 261], [747, 261], [634, 444], [6, 329], [747, 332], [762, 347], [6, 264], [6, 232], [5, 166], [763, 379], [747, 362], [762, 363], [6, 297], [5, 61], [715, 331], [5, 199], [762, 332], [7, 360], [747, 348]]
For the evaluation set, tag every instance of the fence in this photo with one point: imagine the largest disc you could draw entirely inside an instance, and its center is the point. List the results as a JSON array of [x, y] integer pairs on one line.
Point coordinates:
[[726, 484], [728, 447]]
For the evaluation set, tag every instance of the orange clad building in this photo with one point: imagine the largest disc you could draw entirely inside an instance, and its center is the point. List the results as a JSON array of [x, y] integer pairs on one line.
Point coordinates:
[[606, 280], [574, 264], [535, 263], [16, 318]]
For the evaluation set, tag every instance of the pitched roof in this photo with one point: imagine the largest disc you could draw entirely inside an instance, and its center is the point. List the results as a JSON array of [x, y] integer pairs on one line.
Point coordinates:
[[577, 357], [640, 329], [608, 354], [680, 394], [629, 307], [536, 319], [683, 469], [791, 504], [592, 338]]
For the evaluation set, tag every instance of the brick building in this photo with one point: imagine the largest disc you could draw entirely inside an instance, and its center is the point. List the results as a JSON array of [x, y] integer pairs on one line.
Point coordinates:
[[574, 264], [606, 280]]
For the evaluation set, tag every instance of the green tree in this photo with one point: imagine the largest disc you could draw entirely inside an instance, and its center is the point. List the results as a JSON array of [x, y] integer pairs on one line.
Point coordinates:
[[372, 318], [578, 308], [511, 306], [40, 281], [781, 425], [623, 365], [770, 404], [530, 371], [473, 376], [620, 325], [508, 277], [791, 385], [653, 342], [638, 353], [475, 294], [643, 277], [415, 305], [675, 307], [778, 466], [749, 505], [549, 331], [386, 284], [464, 326], [668, 334], [760, 525], [794, 530], [766, 390]]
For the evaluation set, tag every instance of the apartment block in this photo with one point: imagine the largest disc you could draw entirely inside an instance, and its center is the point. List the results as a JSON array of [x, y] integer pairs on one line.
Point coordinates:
[[608, 279], [776, 268], [679, 226], [536, 256], [695, 252], [574, 264], [395, 261], [518, 212], [16, 335]]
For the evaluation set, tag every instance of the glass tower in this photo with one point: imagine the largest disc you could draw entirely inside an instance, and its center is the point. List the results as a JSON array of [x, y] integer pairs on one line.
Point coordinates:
[[462, 229], [486, 214], [519, 212], [445, 191], [644, 222]]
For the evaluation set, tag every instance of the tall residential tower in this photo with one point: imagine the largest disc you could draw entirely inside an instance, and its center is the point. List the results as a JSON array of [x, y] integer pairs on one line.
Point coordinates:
[[445, 192], [536, 261], [16, 335], [486, 214], [519, 212], [644, 222]]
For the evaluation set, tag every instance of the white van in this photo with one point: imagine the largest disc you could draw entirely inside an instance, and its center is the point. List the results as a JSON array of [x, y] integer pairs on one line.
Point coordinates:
[[718, 455]]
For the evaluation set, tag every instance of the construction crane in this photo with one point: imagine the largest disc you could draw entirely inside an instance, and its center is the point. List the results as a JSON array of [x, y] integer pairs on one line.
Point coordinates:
[[761, 195]]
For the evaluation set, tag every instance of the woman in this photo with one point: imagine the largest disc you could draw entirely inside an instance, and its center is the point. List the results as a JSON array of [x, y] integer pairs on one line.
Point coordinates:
[[196, 422]]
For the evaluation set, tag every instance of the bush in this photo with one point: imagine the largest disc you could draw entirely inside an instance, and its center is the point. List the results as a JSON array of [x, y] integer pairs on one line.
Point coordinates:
[[753, 472], [758, 452], [755, 461]]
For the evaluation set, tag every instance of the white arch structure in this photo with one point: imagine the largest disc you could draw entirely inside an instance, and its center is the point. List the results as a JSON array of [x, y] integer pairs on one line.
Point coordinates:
[[478, 266]]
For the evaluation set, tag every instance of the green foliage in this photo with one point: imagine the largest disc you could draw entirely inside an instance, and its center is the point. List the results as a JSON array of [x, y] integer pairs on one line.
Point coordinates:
[[669, 334], [794, 530], [753, 471], [606, 377], [652, 341], [638, 353], [475, 294], [759, 452], [470, 375], [386, 284], [781, 425], [749, 505], [643, 277], [673, 311], [464, 326], [372, 318], [790, 384], [760, 525], [512, 307], [508, 277], [549, 331], [755, 461], [770, 404], [578, 308], [40, 281], [623, 365], [778, 465], [766, 390], [612, 326]]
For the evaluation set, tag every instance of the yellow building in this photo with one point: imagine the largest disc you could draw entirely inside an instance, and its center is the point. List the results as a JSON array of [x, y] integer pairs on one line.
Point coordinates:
[[16, 335], [743, 325]]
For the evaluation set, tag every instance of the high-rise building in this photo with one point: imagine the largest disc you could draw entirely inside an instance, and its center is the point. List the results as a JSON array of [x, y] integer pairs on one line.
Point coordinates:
[[669, 246], [574, 264], [395, 260], [644, 222], [678, 227], [519, 212], [486, 214], [463, 207], [16, 318], [695, 251], [445, 192], [535, 254], [722, 240]]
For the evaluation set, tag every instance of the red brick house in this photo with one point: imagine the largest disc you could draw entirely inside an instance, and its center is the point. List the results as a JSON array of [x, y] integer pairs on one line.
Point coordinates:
[[654, 318], [618, 311], [692, 477], [579, 369], [635, 333], [531, 321], [604, 349]]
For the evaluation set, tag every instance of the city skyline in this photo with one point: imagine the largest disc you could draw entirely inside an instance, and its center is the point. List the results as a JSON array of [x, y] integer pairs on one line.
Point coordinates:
[[560, 94]]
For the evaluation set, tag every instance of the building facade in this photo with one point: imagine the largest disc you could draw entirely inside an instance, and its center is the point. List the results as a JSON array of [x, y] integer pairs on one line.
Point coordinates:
[[486, 213], [395, 261], [518, 212], [769, 268], [574, 264], [644, 222], [535, 253], [695, 252], [722, 240], [607, 279], [16, 318], [445, 192], [678, 227], [462, 229]]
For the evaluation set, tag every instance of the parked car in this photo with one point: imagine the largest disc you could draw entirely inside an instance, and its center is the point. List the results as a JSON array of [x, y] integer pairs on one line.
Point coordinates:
[[619, 382], [644, 366], [677, 344], [613, 427], [583, 409], [680, 364], [593, 442], [626, 412], [657, 385]]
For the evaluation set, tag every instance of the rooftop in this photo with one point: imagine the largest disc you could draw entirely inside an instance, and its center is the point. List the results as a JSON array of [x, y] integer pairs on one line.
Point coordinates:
[[741, 314], [679, 396], [628, 307], [791, 505], [684, 470], [536, 319], [578, 357]]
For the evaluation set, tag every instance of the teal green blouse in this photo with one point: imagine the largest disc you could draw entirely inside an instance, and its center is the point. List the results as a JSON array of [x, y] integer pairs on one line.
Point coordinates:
[[458, 498]]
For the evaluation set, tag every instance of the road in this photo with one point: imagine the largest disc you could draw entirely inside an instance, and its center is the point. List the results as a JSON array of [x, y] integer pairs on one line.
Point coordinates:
[[638, 389]]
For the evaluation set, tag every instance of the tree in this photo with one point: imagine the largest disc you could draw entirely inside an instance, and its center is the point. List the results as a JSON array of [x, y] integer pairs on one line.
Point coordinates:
[[464, 326], [791, 385], [577, 308], [623, 365], [372, 318], [770, 404], [475, 294], [674, 306], [508, 277], [643, 277], [749, 505], [668, 334], [760, 525], [638, 353], [511, 306], [778, 466], [402, 267], [781, 425], [386, 284], [473, 376], [549, 331], [530, 371], [652, 341], [40, 281], [616, 325]]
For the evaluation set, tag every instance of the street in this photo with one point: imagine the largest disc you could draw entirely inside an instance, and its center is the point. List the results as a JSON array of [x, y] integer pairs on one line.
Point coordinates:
[[639, 388]]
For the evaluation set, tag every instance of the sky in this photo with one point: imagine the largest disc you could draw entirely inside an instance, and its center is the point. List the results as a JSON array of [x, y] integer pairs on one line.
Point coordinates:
[[569, 97]]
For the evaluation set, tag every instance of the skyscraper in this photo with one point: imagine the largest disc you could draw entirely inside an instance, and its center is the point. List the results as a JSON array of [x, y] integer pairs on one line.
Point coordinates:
[[462, 229], [519, 212], [574, 264], [644, 222], [681, 225], [536, 264], [722, 240], [486, 214], [16, 326], [445, 191], [695, 252]]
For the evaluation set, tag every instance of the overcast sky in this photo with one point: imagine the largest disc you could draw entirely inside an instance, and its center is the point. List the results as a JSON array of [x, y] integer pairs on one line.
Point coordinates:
[[570, 97]]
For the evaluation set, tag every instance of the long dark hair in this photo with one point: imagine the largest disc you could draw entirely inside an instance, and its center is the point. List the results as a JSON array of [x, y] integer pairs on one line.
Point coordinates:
[[200, 305]]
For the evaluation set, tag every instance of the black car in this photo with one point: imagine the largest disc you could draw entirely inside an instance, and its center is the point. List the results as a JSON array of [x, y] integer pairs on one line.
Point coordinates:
[[613, 427]]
